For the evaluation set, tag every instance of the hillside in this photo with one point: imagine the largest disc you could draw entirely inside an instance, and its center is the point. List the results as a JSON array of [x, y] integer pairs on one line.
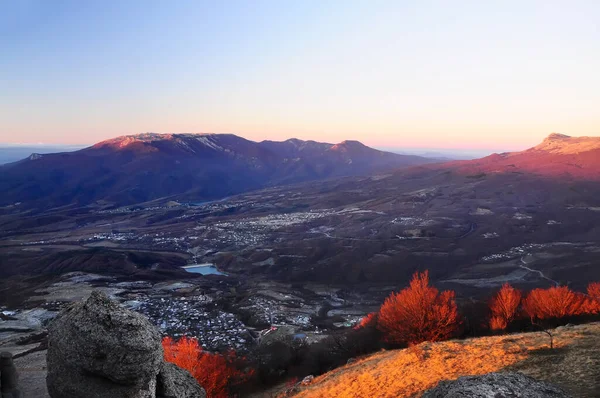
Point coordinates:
[[192, 167], [558, 155], [572, 365]]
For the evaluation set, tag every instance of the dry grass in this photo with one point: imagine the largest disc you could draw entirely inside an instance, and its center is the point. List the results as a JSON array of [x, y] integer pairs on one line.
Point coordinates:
[[408, 373]]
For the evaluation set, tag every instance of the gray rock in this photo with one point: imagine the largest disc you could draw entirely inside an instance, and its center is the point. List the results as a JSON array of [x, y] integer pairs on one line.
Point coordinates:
[[174, 382], [99, 349], [495, 385], [9, 378], [75, 385]]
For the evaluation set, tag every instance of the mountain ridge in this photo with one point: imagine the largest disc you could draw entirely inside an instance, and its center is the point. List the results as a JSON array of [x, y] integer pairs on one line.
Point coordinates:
[[137, 168], [558, 155]]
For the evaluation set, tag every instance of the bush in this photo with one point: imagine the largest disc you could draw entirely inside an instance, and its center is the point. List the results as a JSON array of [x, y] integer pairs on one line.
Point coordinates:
[[504, 307], [217, 374], [418, 313], [555, 302], [593, 291], [592, 304], [370, 320]]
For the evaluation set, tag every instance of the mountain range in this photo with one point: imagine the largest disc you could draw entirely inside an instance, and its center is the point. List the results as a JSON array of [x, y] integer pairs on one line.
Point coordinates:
[[200, 167], [193, 167], [536, 209]]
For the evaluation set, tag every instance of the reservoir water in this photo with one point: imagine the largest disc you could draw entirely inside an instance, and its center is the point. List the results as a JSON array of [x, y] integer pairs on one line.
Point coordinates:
[[204, 269]]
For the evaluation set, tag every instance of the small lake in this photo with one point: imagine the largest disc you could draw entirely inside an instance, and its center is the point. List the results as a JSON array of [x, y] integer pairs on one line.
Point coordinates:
[[207, 202], [204, 269]]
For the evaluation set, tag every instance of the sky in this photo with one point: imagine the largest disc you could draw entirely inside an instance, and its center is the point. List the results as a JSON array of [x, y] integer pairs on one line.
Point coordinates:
[[394, 74]]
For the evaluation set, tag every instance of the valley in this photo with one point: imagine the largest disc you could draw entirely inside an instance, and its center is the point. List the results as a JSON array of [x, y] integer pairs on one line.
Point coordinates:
[[306, 259]]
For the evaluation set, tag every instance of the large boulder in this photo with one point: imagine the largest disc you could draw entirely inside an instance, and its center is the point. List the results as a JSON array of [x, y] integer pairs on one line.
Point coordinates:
[[495, 385], [174, 382], [99, 349]]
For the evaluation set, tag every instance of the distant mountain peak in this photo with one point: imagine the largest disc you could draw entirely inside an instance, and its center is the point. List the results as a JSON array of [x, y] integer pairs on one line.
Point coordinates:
[[148, 140], [557, 137], [127, 140], [349, 145], [565, 144], [557, 155], [352, 143], [295, 141]]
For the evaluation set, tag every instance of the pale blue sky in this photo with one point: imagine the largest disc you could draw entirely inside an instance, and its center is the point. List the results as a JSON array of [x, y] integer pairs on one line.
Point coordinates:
[[472, 74]]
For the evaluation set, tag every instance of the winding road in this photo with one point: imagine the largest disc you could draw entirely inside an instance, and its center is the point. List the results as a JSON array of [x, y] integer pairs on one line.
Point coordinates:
[[523, 264]]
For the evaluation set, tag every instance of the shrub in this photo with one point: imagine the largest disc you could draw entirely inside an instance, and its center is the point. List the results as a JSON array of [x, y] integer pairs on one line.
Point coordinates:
[[593, 291], [183, 353], [367, 322], [216, 373], [592, 303], [555, 302], [418, 313], [498, 323], [504, 306]]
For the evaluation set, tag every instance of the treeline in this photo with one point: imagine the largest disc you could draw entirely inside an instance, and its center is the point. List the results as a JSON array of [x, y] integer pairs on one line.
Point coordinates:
[[416, 314], [421, 313], [542, 305]]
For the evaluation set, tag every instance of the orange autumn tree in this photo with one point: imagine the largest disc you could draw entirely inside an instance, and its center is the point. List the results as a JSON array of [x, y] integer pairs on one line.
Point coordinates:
[[592, 303], [216, 373], [183, 353], [418, 313], [593, 291], [368, 321], [555, 302], [504, 306]]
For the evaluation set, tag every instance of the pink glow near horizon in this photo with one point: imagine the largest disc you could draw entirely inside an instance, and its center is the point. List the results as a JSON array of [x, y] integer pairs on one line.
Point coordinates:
[[396, 141], [433, 74]]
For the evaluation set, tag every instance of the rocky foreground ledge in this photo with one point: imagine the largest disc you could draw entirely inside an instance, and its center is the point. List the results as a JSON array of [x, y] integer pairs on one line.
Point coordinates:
[[98, 349], [509, 384]]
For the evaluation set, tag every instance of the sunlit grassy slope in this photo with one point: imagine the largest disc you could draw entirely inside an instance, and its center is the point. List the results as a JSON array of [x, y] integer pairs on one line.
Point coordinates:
[[574, 364]]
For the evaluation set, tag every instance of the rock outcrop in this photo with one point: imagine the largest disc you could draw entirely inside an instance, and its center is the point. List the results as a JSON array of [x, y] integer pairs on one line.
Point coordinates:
[[174, 382], [98, 349], [497, 385], [8, 377]]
